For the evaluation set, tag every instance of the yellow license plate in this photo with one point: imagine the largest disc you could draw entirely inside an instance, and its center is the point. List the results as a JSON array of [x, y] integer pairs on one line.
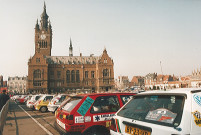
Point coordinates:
[[136, 131]]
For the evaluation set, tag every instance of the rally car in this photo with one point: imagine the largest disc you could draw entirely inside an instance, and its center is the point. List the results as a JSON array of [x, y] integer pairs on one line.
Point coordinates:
[[56, 102], [42, 102], [89, 114], [173, 112]]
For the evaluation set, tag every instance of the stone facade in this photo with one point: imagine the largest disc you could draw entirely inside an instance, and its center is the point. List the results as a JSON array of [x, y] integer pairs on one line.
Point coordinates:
[[122, 83], [66, 74], [1, 81], [17, 84]]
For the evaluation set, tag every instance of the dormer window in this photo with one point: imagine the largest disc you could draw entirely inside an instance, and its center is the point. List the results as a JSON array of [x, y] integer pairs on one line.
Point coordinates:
[[37, 60], [105, 60]]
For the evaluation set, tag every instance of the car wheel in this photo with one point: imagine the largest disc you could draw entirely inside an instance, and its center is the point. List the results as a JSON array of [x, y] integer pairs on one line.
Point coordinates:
[[43, 109]]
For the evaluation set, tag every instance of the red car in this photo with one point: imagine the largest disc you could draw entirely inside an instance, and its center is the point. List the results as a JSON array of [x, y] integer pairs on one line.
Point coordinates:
[[89, 114]]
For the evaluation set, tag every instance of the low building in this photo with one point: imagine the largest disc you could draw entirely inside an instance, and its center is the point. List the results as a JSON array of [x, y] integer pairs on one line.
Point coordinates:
[[158, 82], [1, 81], [122, 82], [137, 81], [17, 84]]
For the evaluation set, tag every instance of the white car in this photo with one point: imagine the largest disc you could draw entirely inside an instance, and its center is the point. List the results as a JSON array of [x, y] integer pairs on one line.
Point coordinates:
[[160, 113], [42, 102], [32, 100], [56, 102]]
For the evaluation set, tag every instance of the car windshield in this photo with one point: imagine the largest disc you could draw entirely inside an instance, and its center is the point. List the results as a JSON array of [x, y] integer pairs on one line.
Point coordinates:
[[56, 98], [158, 109], [72, 102], [63, 97], [37, 97]]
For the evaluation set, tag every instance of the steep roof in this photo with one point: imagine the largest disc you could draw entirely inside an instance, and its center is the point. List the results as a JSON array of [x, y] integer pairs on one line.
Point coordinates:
[[72, 59]]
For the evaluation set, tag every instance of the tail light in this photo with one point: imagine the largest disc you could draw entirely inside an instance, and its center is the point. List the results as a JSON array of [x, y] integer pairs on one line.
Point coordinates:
[[69, 119], [31, 103], [54, 102], [113, 125]]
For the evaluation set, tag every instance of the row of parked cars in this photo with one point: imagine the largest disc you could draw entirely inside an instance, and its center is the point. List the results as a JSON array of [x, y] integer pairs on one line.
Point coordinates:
[[150, 113]]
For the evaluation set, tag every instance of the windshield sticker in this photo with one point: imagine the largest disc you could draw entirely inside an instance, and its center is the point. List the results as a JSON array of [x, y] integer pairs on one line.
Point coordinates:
[[154, 98], [197, 116], [79, 119], [85, 106], [104, 117], [197, 99], [162, 115], [172, 99]]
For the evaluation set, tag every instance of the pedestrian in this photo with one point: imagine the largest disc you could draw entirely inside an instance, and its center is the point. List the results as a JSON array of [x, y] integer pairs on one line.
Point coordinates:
[[3, 99]]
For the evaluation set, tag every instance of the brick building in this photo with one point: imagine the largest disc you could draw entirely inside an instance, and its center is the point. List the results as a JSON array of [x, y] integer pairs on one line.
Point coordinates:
[[53, 74], [1, 81]]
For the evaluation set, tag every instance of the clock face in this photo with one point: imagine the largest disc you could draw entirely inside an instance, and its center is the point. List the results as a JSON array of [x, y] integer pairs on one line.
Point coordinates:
[[43, 36]]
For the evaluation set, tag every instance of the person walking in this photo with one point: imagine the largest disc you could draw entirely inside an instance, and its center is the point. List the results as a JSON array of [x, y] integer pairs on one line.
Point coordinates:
[[3, 99]]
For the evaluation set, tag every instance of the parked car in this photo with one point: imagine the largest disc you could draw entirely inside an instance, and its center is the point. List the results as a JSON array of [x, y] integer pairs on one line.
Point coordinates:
[[16, 97], [21, 99], [56, 102], [42, 102], [24, 99], [32, 100], [160, 113], [89, 114]]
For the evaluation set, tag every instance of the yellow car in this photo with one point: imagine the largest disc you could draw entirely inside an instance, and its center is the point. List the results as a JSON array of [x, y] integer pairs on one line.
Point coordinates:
[[42, 103]]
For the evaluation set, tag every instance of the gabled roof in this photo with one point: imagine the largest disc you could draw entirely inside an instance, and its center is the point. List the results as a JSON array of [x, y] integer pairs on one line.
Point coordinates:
[[72, 59]]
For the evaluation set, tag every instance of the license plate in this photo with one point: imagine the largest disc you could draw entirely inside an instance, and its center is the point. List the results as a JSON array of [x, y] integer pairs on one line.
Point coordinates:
[[136, 131], [61, 123]]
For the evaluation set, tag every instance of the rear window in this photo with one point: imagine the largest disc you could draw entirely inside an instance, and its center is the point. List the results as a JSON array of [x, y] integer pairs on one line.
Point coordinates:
[[63, 97], [37, 97], [71, 103], [48, 98], [158, 109]]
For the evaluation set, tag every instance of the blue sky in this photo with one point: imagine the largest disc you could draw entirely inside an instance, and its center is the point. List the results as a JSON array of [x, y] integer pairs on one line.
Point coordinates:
[[137, 34]]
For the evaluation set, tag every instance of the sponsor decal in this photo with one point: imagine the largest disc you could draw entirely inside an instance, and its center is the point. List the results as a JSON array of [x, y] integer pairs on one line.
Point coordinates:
[[197, 99], [162, 115], [108, 124], [61, 124], [85, 106], [79, 119], [104, 117], [197, 116], [87, 119]]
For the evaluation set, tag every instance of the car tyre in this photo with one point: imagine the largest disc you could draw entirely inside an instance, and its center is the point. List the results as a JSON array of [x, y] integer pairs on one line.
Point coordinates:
[[43, 109]]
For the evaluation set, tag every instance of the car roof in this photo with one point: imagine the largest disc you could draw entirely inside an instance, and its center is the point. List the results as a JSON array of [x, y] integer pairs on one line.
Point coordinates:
[[98, 94], [175, 91]]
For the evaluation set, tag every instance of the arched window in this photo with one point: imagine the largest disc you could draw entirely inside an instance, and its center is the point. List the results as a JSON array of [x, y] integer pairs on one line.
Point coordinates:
[[73, 76], [77, 76], [86, 74], [68, 76], [37, 74], [40, 44], [105, 73]]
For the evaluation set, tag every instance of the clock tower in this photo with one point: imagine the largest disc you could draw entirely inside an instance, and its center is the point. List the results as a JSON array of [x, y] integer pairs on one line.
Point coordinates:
[[43, 35]]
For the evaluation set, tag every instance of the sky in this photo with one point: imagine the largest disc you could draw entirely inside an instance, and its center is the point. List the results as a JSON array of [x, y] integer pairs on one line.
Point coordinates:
[[141, 36]]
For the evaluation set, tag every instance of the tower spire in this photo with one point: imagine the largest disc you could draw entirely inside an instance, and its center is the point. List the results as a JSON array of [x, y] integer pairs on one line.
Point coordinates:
[[44, 18], [70, 48], [44, 6]]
